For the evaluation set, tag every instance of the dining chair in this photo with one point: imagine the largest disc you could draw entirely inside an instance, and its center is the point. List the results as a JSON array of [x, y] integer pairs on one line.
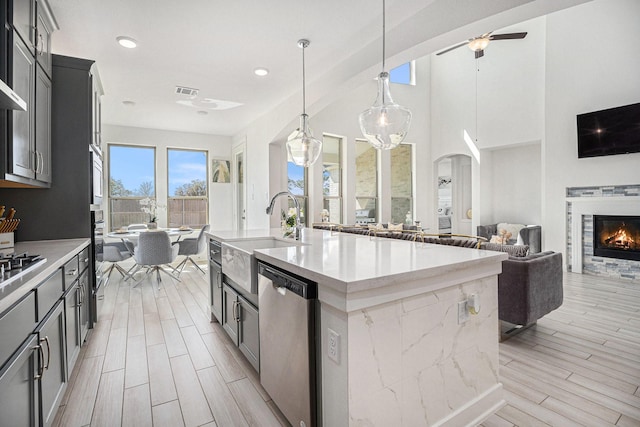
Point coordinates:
[[154, 250], [133, 227], [191, 246], [114, 253]]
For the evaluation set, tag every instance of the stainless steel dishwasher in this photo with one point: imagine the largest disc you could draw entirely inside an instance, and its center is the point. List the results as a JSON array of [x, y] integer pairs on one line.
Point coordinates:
[[287, 343]]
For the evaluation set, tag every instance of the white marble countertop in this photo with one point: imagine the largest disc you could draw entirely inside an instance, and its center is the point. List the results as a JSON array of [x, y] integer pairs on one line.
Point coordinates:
[[57, 253], [349, 263]]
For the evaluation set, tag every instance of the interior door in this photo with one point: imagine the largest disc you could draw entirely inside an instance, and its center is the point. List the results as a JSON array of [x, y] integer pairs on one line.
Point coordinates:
[[239, 191]]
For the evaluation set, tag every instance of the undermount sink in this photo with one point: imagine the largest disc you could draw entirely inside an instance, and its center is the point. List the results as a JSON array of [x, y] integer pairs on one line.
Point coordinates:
[[240, 265], [268, 243]]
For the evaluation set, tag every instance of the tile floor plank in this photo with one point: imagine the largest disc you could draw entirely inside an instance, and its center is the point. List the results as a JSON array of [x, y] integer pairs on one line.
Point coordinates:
[[116, 351], [108, 408], [136, 372], [254, 408], [136, 411], [161, 384], [167, 415], [82, 398], [194, 405], [223, 405], [198, 352], [173, 338]]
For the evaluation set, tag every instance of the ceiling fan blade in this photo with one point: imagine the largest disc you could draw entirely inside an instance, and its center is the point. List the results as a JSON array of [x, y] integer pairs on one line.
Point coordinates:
[[479, 53], [452, 47], [508, 36]]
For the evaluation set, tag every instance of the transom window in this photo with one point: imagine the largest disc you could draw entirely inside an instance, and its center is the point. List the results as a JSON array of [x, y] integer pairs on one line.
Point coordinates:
[[187, 188], [403, 74]]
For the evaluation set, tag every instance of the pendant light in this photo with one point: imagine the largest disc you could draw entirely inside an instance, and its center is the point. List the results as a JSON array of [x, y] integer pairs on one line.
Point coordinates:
[[303, 148], [386, 123]]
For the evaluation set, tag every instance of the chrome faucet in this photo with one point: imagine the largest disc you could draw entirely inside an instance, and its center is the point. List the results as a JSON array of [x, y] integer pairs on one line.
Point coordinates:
[[295, 203]]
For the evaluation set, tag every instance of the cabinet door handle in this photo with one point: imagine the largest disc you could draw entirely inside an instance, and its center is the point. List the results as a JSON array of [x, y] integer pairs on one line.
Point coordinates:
[[36, 160], [219, 279], [41, 367], [72, 272], [46, 341], [41, 162], [236, 311]]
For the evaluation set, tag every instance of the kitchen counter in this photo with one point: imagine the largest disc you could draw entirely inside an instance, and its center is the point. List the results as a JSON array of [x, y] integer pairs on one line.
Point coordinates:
[[57, 253], [403, 357]]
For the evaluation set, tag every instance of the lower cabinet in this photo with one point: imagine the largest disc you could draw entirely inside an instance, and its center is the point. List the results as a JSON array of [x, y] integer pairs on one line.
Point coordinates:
[[215, 290], [53, 375], [72, 317], [240, 321], [19, 403], [84, 308]]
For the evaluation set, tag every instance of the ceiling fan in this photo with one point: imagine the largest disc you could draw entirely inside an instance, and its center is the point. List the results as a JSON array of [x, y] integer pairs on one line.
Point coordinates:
[[480, 43]]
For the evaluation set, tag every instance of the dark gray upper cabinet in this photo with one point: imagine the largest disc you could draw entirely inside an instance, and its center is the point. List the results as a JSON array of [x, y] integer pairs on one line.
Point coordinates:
[[27, 70], [21, 156]]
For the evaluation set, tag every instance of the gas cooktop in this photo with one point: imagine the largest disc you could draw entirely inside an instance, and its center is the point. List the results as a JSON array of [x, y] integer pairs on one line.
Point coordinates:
[[14, 266]]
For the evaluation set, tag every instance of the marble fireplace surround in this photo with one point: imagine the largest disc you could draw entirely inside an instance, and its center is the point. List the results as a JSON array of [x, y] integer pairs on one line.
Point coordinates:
[[595, 206]]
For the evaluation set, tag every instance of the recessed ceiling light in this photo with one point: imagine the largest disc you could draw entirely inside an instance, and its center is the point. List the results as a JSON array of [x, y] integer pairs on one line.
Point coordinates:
[[129, 103], [203, 113], [261, 72], [127, 42]]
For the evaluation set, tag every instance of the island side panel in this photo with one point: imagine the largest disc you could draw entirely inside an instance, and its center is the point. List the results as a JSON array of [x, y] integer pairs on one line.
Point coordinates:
[[334, 374], [410, 363]]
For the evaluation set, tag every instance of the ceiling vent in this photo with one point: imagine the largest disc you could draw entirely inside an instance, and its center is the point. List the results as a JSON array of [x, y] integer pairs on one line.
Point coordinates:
[[181, 90]]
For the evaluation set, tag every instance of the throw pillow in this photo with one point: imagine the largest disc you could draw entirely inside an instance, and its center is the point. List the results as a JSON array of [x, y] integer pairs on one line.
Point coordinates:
[[395, 227], [498, 240], [377, 226], [514, 229]]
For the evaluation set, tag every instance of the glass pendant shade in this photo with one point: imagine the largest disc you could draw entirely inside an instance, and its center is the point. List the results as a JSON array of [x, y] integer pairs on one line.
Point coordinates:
[[386, 123], [303, 148]]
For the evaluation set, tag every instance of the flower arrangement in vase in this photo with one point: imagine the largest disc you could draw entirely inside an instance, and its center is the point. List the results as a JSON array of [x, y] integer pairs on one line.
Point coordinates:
[[150, 206]]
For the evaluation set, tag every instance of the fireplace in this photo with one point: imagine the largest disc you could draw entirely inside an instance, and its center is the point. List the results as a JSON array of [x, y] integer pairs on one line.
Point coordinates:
[[616, 236]]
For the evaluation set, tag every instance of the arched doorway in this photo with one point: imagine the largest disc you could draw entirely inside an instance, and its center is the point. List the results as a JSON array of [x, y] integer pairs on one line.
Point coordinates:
[[454, 190]]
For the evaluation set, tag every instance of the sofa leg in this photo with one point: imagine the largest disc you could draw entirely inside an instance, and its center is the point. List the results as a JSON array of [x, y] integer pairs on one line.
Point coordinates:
[[508, 330]]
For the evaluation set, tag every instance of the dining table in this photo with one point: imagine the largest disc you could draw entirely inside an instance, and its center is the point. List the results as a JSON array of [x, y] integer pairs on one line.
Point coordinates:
[[134, 234]]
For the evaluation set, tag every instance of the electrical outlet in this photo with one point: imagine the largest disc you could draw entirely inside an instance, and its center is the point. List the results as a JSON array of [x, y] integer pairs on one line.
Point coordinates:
[[463, 312], [333, 345]]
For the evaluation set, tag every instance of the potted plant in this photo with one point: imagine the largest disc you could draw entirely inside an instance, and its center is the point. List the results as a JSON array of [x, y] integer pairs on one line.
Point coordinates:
[[150, 206]]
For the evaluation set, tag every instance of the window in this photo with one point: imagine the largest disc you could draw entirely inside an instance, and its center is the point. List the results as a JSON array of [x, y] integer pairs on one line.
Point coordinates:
[[366, 183], [332, 177], [297, 185], [132, 177], [187, 188], [403, 74], [402, 184]]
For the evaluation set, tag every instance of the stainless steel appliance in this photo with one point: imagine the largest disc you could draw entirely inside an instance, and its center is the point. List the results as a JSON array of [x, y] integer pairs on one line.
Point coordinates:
[[97, 289], [288, 343]]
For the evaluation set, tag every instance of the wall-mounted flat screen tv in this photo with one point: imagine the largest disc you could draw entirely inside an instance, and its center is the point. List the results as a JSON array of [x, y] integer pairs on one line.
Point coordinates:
[[608, 132]]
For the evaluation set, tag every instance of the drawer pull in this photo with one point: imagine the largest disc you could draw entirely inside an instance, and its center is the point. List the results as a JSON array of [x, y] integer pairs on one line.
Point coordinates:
[[73, 272]]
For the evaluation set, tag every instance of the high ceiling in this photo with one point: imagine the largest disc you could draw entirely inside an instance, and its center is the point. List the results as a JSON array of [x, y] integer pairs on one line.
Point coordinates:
[[214, 46]]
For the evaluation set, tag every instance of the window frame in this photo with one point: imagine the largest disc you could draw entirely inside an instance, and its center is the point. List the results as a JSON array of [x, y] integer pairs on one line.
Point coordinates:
[[411, 197], [205, 197], [375, 198], [327, 199], [303, 199], [110, 197]]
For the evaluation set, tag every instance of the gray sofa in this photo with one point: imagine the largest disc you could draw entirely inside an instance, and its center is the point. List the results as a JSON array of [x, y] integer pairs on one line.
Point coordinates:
[[529, 287], [530, 235]]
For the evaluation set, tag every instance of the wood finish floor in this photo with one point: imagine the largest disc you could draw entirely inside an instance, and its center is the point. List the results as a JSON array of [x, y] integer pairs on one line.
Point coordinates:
[[155, 359]]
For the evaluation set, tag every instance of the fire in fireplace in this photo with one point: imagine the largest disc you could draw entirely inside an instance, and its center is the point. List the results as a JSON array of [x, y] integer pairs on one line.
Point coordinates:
[[616, 236]]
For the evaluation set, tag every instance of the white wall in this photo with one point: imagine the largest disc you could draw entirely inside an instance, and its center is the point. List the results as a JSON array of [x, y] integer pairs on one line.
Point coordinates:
[[217, 147], [518, 187], [591, 64]]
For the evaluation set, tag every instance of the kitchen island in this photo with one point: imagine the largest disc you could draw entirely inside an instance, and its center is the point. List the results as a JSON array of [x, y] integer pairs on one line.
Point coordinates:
[[403, 358]]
